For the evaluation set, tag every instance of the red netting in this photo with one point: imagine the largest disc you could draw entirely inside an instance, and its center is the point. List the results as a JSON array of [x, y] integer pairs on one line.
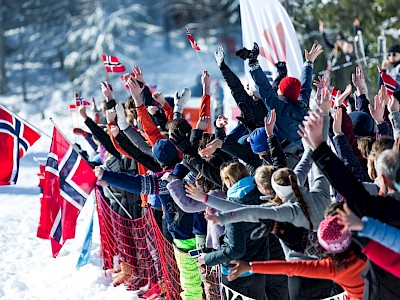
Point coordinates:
[[138, 255]]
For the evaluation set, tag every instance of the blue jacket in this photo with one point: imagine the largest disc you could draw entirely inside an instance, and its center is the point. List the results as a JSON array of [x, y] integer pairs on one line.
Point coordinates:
[[382, 233], [180, 224], [290, 114]]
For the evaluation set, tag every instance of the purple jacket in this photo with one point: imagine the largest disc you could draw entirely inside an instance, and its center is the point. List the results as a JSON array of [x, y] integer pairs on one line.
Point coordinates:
[[189, 205]]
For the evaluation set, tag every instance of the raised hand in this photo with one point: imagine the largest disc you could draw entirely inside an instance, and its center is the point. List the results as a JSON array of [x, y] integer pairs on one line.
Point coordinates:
[[206, 82], [152, 109], [211, 148], [337, 121], [349, 220], [378, 110], [315, 51], [219, 55], [106, 89], [324, 104], [135, 90], [114, 130], [203, 123], [138, 74], [269, 125], [358, 80], [194, 192], [340, 97], [159, 97], [320, 83], [221, 121], [311, 131], [393, 104], [121, 118], [240, 267], [110, 115], [245, 53], [82, 111]]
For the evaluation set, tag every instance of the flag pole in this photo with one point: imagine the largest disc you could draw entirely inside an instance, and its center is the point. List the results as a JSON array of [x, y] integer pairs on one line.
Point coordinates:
[[33, 126], [198, 56], [74, 147]]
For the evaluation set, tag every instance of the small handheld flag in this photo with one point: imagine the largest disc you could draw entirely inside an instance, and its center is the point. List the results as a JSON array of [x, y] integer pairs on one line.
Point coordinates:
[[389, 82], [112, 64], [192, 41]]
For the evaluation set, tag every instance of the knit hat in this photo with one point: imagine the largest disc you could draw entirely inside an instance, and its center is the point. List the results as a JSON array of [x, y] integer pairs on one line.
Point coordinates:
[[330, 235], [363, 124], [258, 140], [290, 88], [164, 152], [394, 49]]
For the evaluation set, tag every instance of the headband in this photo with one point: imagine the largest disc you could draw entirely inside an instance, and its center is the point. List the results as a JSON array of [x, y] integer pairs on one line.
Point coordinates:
[[281, 190]]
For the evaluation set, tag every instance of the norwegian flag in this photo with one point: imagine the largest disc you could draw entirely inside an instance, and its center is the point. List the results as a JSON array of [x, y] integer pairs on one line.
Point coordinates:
[[79, 101], [68, 182], [333, 97], [16, 137], [192, 41], [389, 82], [112, 64]]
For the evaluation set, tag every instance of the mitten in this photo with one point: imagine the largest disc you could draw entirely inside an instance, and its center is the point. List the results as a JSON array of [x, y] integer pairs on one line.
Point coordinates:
[[281, 68], [121, 119], [79, 131], [182, 142], [219, 55], [251, 55], [180, 101]]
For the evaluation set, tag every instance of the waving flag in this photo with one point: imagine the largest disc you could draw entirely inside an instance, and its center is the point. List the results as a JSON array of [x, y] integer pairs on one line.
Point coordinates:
[[112, 64], [389, 82], [79, 101], [68, 182], [333, 97], [192, 41], [15, 139], [268, 24]]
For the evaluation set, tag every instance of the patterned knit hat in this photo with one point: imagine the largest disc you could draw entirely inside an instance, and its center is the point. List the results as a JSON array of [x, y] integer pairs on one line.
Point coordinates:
[[330, 235]]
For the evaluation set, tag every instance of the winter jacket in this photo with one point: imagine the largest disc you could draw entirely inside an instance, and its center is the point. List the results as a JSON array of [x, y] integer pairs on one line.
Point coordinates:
[[385, 208], [180, 224], [383, 257], [349, 278], [178, 193], [290, 114], [394, 118], [237, 243], [382, 233], [252, 111]]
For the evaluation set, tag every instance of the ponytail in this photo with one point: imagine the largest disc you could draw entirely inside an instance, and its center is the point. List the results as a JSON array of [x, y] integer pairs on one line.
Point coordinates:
[[303, 205]]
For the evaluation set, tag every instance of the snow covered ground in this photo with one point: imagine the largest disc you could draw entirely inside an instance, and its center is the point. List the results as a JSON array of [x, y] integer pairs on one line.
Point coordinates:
[[27, 268]]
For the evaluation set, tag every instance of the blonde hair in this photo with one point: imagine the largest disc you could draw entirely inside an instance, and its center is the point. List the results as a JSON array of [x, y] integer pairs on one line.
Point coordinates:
[[263, 176], [233, 172], [286, 176]]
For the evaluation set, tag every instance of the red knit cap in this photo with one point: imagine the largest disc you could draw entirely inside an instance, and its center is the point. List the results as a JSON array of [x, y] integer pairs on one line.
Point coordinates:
[[330, 235], [290, 88]]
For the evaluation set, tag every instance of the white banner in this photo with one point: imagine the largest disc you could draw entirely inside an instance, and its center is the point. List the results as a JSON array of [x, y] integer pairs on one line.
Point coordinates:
[[267, 23]]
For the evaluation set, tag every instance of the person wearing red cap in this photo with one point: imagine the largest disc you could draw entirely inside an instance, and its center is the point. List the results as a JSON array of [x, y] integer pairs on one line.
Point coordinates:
[[343, 264], [292, 99]]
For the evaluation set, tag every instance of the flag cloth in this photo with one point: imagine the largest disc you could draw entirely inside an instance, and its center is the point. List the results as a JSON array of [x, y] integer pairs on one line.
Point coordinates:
[[192, 41], [78, 101], [389, 82], [333, 98], [68, 182], [84, 257], [112, 64], [15, 139], [268, 24]]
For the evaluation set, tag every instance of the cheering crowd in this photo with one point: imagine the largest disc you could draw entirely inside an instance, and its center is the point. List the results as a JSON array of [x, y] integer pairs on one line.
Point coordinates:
[[293, 203]]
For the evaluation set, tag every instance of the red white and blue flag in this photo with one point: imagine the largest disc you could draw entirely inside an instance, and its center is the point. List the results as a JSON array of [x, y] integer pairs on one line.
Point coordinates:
[[192, 41], [389, 82], [15, 139], [112, 64], [68, 182], [78, 101]]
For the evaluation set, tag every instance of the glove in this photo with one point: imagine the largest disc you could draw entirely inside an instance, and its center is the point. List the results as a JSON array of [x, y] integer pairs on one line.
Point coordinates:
[[182, 142], [81, 132], [121, 119], [219, 56], [251, 55], [281, 68], [180, 101]]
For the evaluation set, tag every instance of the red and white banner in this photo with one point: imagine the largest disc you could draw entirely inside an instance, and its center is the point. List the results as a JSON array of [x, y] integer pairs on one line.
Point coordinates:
[[268, 24]]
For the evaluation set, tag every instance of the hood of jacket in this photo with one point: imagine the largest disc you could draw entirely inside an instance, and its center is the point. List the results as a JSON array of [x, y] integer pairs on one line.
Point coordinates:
[[245, 192]]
